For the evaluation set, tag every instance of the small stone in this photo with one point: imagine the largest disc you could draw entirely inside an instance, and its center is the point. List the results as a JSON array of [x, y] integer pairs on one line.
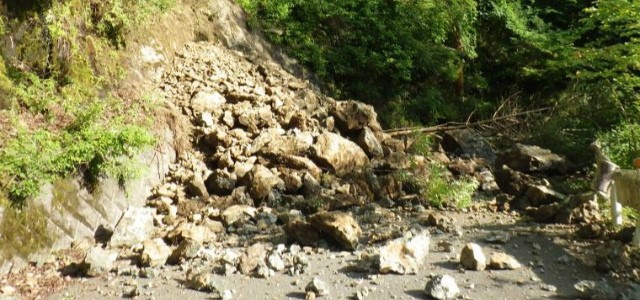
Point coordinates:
[[309, 296], [503, 261], [201, 281], [131, 292], [187, 249], [318, 287], [442, 287], [472, 257], [549, 288]]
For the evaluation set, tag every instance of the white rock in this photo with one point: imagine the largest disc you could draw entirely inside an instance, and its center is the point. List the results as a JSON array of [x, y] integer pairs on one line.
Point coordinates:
[[134, 227], [442, 287], [404, 255]]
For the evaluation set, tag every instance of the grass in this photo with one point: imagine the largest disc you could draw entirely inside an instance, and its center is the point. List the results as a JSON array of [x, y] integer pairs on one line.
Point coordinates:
[[438, 188]]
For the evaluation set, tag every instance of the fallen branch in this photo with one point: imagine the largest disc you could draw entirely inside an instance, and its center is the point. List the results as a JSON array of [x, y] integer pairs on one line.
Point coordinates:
[[454, 126]]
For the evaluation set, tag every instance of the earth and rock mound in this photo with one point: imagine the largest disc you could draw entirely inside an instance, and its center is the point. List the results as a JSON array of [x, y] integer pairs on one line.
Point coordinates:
[[284, 192]]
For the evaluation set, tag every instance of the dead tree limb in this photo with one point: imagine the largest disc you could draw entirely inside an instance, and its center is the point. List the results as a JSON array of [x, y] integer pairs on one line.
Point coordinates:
[[456, 125]]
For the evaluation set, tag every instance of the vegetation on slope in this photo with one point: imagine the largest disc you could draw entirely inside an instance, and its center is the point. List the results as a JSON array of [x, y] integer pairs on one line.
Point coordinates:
[[58, 114]]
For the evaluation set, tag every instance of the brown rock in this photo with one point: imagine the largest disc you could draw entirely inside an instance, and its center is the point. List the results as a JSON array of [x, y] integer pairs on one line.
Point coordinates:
[[339, 154], [472, 257], [503, 261], [354, 116], [302, 232], [262, 181], [253, 256], [341, 226]]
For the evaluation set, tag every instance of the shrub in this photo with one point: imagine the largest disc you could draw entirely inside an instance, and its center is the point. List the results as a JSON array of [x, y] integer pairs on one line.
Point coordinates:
[[622, 144]]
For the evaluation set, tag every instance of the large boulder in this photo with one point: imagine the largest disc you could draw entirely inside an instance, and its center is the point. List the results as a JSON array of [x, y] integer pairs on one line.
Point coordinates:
[[542, 195], [513, 182], [135, 226], [207, 101], [529, 159], [262, 182], [468, 142], [220, 183], [404, 255], [155, 253], [341, 226], [98, 261], [368, 141], [339, 154], [353, 116]]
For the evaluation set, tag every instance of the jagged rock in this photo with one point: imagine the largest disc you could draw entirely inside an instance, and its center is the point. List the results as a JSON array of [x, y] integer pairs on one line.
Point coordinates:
[[528, 159], [339, 154], [404, 255], [468, 143], [369, 143], [442, 287], [292, 181], [472, 257], [238, 213], [134, 227], [155, 253], [207, 101], [263, 271], [355, 116], [220, 183], [190, 231], [275, 262], [542, 195], [341, 226], [196, 187], [187, 249], [317, 286], [262, 181], [98, 262], [301, 163], [513, 182], [503, 261], [253, 256]]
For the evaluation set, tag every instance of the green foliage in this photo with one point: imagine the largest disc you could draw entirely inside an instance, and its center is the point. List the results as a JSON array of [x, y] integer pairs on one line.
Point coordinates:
[[57, 86], [440, 190], [33, 158], [376, 50], [622, 144]]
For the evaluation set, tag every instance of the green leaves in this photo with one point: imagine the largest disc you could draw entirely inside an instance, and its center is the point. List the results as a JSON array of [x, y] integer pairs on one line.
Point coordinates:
[[33, 158]]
